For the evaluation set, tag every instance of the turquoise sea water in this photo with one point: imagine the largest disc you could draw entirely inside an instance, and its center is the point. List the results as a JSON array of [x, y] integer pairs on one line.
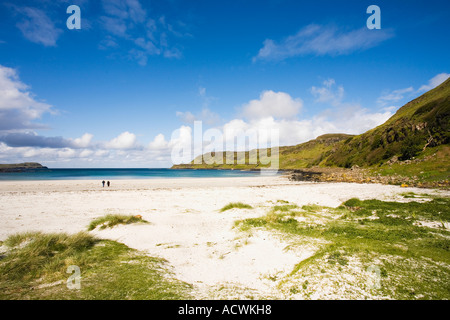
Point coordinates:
[[111, 174]]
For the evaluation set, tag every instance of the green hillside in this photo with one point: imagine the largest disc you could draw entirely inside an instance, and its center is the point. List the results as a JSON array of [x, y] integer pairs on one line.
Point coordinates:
[[311, 153], [305, 155], [412, 144], [420, 124]]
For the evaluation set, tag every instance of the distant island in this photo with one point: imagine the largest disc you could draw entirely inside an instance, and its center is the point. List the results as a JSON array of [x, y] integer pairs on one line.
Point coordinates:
[[20, 167]]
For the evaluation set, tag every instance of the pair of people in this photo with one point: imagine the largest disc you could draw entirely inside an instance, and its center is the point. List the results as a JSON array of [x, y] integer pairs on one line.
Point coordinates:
[[103, 182]]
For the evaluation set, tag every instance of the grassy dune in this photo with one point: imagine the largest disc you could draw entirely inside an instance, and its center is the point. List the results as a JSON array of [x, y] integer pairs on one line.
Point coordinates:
[[365, 249], [35, 265]]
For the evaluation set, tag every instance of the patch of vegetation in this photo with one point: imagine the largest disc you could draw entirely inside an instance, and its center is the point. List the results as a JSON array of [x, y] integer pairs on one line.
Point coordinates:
[[312, 208], [337, 257], [411, 147], [409, 195], [112, 220], [238, 205], [284, 208], [413, 260], [35, 267], [431, 168]]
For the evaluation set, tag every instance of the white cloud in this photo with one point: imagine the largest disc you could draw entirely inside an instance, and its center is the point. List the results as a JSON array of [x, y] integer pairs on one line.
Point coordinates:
[[272, 104], [125, 9], [327, 94], [127, 21], [394, 96], [159, 142], [209, 117], [37, 27], [351, 119], [181, 145], [125, 140], [390, 100], [84, 141], [66, 153], [107, 43], [206, 115], [264, 115], [115, 26], [202, 91], [148, 46], [86, 153], [292, 132], [18, 108], [322, 40], [186, 116], [101, 153], [434, 82], [32, 139], [343, 117]]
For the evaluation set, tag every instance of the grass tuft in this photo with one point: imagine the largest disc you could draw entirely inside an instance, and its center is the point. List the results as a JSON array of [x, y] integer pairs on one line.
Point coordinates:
[[112, 220], [284, 208], [238, 205]]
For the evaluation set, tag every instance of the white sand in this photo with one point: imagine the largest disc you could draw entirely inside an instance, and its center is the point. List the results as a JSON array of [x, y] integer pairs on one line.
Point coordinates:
[[186, 227]]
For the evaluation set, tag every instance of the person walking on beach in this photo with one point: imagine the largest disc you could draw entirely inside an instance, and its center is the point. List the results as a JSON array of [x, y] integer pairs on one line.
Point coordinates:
[[103, 182], [108, 183]]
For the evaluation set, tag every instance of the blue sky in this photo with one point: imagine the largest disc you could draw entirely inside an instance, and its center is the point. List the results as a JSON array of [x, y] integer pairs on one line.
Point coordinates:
[[126, 88]]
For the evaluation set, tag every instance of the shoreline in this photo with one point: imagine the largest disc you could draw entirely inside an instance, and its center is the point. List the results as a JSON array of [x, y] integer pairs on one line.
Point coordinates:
[[136, 184], [130, 174]]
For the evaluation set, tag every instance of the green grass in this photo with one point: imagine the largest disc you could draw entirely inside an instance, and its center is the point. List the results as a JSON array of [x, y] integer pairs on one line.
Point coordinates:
[[414, 259], [238, 205], [112, 220], [284, 208], [35, 267], [409, 195], [434, 167]]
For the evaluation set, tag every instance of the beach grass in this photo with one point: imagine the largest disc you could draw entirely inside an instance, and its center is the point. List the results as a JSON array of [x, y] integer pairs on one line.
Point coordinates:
[[112, 220], [406, 243], [35, 266], [238, 205]]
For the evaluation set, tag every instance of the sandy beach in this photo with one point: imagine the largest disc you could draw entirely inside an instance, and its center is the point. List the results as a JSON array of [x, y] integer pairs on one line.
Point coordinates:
[[186, 226]]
